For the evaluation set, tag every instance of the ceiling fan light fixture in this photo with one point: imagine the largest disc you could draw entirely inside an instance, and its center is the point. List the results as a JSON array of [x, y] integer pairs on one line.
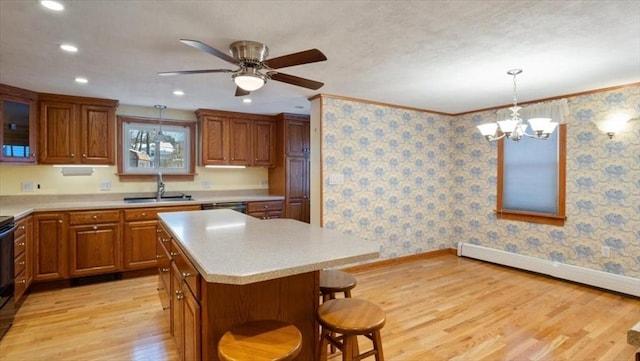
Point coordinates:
[[249, 81]]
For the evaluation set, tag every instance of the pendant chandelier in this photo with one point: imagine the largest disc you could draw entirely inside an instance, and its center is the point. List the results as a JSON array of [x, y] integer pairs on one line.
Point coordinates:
[[159, 137], [514, 128]]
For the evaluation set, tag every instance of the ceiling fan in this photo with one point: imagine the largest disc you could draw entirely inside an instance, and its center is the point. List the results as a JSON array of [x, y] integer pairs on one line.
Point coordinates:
[[254, 69]]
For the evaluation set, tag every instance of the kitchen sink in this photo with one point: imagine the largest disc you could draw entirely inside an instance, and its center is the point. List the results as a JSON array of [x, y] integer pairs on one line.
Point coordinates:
[[179, 198]]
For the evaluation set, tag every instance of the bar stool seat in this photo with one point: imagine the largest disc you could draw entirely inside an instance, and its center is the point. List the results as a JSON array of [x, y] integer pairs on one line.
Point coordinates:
[[348, 318], [260, 340], [336, 281]]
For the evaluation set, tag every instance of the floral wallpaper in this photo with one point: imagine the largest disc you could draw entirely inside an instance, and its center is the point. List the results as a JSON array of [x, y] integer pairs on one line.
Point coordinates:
[[416, 181]]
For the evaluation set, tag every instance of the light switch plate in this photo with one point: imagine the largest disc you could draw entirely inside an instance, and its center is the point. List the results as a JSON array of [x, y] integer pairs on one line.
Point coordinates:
[[105, 185], [337, 178], [27, 186], [206, 184]]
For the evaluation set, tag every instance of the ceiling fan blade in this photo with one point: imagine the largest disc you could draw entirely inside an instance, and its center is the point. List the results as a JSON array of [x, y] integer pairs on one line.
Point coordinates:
[[188, 72], [303, 57], [241, 92], [206, 48], [294, 80]]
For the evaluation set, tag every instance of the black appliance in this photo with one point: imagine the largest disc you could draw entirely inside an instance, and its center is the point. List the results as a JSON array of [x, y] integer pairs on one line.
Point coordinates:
[[7, 304], [236, 206]]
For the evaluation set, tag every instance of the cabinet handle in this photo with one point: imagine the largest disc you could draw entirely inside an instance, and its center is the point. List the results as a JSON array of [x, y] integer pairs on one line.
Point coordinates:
[[173, 254], [21, 244], [94, 217], [144, 214], [23, 282], [33, 155], [84, 155], [21, 228], [73, 154], [95, 227], [59, 220], [164, 240], [158, 230], [21, 263], [185, 275], [179, 295], [158, 256], [164, 269]]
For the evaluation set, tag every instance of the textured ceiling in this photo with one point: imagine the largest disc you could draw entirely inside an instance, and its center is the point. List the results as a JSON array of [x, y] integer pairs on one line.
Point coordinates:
[[446, 56]]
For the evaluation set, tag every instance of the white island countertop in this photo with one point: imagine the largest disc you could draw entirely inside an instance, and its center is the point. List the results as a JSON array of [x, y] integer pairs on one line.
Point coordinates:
[[233, 248]]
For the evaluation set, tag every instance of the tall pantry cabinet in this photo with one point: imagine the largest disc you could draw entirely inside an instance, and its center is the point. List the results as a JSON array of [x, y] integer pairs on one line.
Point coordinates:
[[291, 174]]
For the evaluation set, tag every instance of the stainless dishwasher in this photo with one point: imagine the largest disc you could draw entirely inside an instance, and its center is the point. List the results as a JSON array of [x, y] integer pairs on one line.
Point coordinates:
[[235, 206]]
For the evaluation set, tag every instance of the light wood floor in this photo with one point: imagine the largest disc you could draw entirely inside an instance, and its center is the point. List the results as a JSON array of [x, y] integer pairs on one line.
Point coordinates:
[[443, 308]]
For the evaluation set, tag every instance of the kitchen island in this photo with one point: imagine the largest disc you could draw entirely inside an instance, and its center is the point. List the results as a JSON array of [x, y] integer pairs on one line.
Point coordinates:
[[251, 269]]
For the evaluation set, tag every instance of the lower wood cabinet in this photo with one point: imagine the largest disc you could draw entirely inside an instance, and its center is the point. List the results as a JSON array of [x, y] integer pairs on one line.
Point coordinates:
[[266, 209], [94, 242], [185, 306], [50, 241], [140, 234], [23, 256]]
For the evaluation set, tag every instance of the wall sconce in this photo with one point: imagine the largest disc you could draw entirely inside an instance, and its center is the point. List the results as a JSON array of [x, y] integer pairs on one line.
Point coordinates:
[[613, 124]]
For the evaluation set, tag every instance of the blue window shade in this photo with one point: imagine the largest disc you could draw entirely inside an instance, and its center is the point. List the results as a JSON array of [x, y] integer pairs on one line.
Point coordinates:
[[530, 172]]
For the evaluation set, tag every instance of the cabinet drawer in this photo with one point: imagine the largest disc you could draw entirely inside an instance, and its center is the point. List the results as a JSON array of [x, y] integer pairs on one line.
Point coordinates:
[[19, 245], [140, 214], [188, 272], [262, 206], [147, 214], [20, 285], [18, 265], [164, 263], [21, 227], [91, 217]]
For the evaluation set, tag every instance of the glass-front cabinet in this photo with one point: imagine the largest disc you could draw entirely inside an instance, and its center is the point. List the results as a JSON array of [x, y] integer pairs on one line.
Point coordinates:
[[18, 119]]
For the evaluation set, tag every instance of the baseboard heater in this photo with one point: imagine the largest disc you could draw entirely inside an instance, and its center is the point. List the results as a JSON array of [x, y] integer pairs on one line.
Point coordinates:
[[605, 280]]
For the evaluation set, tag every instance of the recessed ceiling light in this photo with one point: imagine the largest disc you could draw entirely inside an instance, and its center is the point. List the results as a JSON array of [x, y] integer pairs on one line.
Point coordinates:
[[81, 80], [246, 100], [178, 92], [52, 5], [299, 107], [69, 48]]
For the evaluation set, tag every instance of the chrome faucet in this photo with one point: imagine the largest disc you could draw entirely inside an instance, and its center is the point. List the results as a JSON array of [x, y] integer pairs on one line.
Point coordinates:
[[160, 189]]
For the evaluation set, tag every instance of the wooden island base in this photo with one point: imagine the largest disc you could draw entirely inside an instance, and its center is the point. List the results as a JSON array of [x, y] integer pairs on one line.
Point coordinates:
[[294, 299]]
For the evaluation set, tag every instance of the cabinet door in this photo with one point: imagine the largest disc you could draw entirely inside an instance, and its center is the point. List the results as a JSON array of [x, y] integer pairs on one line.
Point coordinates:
[[191, 323], [140, 244], [297, 138], [18, 132], [240, 142], [94, 249], [177, 310], [58, 133], [297, 188], [264, 147], [214, 133], [50, 247], [97, 134]]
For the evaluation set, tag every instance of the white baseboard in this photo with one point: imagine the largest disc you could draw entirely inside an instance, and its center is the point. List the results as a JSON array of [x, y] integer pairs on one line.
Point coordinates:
[[609, 281]]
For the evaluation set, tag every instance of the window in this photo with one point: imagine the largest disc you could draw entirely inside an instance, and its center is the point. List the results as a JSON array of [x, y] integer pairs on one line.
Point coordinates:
[[531, 174], [147, 147]]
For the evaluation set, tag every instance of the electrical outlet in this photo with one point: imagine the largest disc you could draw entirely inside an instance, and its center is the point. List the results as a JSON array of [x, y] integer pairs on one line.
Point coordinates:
[[606, 251], [27, 186], [264, 183], [105, 185], [206, 184]]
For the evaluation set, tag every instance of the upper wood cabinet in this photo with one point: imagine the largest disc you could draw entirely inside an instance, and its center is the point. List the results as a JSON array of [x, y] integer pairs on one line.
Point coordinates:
[[76, 130], [228, 138], [18, 118]]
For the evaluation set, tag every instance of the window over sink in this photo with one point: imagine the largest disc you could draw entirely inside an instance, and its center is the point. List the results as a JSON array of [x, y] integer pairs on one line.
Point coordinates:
[[150, 146]]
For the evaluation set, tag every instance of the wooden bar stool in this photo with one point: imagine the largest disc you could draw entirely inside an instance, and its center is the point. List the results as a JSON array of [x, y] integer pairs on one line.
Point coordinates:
[[335, 281], [262, 340], [348, 318]]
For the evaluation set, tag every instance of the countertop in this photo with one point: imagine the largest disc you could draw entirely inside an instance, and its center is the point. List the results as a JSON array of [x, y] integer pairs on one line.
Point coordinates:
[[233, 248], [24, 208]]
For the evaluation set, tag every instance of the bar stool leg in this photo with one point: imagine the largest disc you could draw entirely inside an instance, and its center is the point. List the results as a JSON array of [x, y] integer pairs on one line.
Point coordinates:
[[350, 348], [377, 345], [322, 350]]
